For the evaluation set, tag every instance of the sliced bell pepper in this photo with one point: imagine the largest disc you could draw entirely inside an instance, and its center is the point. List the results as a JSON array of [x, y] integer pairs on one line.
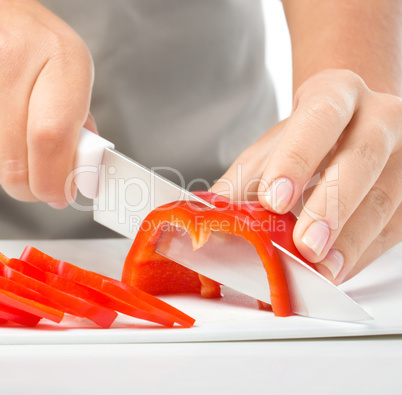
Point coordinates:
[[30, 306], [146, 269], [83, 292], [106, 291], [71, 304], [18, 316], [3, 258]]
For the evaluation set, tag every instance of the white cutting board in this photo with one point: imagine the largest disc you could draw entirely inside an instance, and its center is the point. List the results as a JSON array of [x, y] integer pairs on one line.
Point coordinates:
[[378, 289]]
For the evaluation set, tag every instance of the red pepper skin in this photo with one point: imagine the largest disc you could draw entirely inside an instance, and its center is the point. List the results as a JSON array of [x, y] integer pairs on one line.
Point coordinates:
[[82, 291], [30, 306], [3, 258], [18, 316], [105, 290], [279, 227], [70, 304], [11, 286], [198, 221]]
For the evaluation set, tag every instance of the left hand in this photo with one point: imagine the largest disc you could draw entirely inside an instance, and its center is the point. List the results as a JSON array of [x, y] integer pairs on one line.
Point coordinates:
[[354, 213]]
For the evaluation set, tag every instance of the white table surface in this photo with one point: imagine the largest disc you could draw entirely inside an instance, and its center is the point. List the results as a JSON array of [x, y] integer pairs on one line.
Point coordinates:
[[348, 365], [330, 366]]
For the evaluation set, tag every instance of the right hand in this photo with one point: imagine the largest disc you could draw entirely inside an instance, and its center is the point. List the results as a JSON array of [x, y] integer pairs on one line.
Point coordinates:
[[46, 76]]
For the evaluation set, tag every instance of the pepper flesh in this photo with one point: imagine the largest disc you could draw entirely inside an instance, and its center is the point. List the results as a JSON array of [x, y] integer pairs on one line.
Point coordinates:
[[146, 269]]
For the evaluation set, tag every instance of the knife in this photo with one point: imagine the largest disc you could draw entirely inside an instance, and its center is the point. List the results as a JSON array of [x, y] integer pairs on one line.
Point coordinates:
[[125, 192]]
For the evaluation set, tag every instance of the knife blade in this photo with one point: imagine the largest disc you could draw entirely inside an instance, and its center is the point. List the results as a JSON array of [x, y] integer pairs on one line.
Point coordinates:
[[234, 262], [125, 192]]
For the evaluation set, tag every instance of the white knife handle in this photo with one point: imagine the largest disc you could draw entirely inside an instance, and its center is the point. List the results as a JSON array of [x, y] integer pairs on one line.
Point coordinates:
[[88, 159]]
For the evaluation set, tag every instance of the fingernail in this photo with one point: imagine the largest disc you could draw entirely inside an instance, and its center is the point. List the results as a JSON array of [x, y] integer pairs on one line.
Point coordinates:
[[58, 206], [316, 236], [332, 265], [279, 194]]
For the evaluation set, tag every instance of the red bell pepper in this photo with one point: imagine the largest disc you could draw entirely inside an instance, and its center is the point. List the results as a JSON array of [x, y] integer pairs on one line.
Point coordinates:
[[146, 269], [101, 289], [18, 316], [30, 306], [83, 292], [3, 258], [71, 304], [279, 227]]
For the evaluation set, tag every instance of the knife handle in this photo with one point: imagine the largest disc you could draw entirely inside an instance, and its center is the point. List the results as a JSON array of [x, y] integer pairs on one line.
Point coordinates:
[[88, 159]]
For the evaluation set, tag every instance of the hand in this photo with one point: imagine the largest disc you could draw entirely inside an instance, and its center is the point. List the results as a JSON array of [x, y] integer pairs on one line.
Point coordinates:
[[352, 211], [46, 76]]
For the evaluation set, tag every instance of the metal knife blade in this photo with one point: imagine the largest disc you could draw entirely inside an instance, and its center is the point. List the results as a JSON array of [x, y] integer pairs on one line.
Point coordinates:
[[128, 192], [234, 262]]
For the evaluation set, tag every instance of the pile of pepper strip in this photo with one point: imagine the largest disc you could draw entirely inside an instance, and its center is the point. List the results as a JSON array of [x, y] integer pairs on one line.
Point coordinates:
[[146, 269], [38, 286]]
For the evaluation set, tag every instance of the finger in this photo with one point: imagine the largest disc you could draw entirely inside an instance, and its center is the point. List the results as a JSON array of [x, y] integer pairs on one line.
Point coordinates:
[[365, 225], [15, 87], [389, 236], [58, 108], [323, 111], [350, 175]]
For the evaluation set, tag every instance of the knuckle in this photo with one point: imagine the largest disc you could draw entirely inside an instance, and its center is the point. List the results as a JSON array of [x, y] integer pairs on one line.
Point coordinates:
[[382, 241], [59, 44], [390, 109], [383, 238], [352, 242], [49, 135], [368, 155], [338, 207], [13, 174], [323, 110], [380, 202], [299, 159], [12, 49], [350, 78], [336, 82], [69, 48]]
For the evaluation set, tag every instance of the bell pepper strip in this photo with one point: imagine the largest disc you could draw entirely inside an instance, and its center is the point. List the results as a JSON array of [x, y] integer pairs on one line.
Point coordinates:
[[146, 269], [11, 286], [51, 309], [18, 316], [124, 298], [71, 304], [3, 258], [30, 306], [84, 292]]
